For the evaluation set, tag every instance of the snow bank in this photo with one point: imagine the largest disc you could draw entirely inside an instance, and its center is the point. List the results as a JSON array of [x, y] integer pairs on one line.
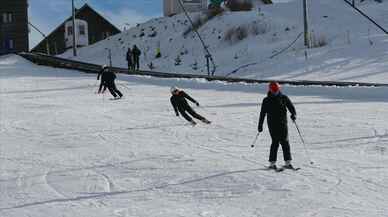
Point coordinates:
[[355, 50], [65, 151]]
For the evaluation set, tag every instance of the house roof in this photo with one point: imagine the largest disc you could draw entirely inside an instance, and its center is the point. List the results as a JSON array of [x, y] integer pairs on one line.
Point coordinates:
[[77, 11]]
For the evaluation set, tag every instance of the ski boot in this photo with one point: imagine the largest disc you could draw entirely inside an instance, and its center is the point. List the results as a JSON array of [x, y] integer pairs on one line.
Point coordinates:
[[290, 167], [274, 167], [193, 123]]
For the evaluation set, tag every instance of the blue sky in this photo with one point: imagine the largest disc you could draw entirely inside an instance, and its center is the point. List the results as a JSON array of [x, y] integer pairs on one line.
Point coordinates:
[[48, 14]]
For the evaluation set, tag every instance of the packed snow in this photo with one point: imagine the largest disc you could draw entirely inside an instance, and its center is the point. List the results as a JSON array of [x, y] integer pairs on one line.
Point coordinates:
[[66, 151], [354, 49]]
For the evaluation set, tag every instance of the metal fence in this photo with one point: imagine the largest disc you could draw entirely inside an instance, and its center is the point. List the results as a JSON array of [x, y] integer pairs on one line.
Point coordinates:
[[43, 59]]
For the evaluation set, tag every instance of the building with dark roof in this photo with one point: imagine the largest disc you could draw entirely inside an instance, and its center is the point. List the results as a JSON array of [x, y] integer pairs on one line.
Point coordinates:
[[97, 28], [13, 26]]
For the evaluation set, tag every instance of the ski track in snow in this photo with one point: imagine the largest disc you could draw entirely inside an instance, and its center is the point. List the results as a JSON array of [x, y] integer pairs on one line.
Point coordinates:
[[71, 152]]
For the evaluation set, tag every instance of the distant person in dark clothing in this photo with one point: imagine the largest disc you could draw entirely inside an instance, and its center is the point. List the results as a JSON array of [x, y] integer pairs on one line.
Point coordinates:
[[130, 59], [180, 105], [136, 57], [108, 81], [275, 106], [104, 67]]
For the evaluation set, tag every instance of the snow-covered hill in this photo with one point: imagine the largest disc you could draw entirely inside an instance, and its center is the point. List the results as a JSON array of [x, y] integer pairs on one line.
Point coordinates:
[[65, 151], [355, 49]]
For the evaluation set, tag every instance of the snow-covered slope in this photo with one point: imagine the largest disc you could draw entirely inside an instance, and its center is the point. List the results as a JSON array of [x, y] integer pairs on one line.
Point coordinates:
[[65, 151], [356, 50]]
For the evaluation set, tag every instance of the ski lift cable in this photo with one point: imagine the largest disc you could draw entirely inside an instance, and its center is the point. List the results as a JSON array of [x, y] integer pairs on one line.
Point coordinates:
[[366, 16], [268, 58], [208, 54]]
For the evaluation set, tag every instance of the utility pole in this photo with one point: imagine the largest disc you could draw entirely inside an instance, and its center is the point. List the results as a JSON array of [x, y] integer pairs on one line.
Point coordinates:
[[306, 25], [109, 56], [74, 29]]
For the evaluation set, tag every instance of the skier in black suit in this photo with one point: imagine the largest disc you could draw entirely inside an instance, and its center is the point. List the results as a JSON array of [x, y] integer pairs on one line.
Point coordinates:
[[180, 105], [108, 81], [275, 107]]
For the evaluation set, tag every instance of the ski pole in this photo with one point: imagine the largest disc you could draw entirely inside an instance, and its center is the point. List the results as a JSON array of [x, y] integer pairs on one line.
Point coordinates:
[[125, 86], [254, 141], [304, 144], [96, 85], [206, 110]]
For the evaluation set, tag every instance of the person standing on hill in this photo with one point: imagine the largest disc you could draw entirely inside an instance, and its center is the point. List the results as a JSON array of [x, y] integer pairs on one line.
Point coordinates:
[[180, 105], [275, 107], [136, 57], [130, 59]]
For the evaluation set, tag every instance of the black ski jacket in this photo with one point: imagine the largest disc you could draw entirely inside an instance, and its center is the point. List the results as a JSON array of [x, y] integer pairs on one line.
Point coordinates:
[[275, 107], [106, 75], [136, 51], [129, 55], [179, 102]]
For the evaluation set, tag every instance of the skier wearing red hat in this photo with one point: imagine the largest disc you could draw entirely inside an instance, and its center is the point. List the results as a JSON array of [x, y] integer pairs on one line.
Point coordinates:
[[275, 107]]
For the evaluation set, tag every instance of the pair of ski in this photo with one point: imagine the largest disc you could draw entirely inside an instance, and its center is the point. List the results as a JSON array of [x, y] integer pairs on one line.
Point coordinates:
[[117, 98], [193, 124], [281, 169]]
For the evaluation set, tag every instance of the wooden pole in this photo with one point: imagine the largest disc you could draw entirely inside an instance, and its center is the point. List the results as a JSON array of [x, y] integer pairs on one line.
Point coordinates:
[[74, 30]]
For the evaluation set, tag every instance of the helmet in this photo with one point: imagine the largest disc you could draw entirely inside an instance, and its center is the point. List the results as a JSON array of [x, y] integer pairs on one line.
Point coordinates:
[[173, 89], [104, 66], [274, 87]]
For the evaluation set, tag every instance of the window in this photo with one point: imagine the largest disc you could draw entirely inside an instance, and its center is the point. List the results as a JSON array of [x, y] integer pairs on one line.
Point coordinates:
[[82, 30], [69, 30], [11, 44], [7, 17], [105, 35]]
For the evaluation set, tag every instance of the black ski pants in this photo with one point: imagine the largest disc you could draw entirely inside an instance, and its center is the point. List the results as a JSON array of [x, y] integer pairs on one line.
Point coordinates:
[[189, 110], [130, 65], [136, 64], [113, 89], [279, 135]]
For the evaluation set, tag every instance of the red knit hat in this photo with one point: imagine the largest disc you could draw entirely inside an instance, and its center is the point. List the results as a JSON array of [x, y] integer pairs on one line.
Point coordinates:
[[274, 87]]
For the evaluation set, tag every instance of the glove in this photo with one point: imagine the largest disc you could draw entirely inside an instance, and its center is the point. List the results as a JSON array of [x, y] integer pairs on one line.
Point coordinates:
[[177, 114], [260, 129], [197, 104], [293, 117]]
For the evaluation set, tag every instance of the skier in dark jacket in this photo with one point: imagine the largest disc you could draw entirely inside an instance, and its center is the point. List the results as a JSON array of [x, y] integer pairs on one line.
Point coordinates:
[[180, 105], [130, 59], [275, 106], [136, 57], [108, 81]]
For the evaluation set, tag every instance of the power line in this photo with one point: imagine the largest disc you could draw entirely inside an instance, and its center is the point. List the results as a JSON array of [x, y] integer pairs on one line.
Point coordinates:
[[366, 16], [208, 54], [44, 37]]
